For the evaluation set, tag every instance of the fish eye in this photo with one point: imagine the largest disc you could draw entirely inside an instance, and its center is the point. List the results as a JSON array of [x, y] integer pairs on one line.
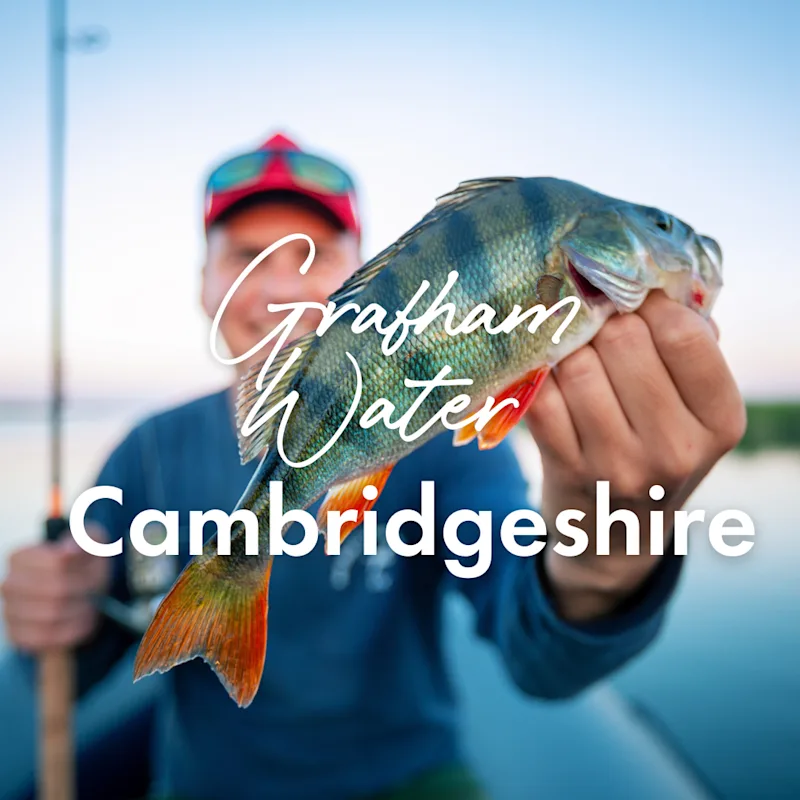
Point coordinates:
[[665, 223]]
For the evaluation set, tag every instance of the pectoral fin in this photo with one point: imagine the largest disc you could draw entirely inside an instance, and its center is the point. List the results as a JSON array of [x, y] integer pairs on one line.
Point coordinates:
[[350, 495], [505, 420]]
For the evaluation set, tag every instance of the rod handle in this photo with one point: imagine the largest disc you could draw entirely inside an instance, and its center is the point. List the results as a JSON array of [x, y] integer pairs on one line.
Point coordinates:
[[56, 699]]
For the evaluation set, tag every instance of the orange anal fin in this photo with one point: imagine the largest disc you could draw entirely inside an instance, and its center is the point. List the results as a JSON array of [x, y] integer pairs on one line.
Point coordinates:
[[217, 611], [503, 422], [465, 435], [350, 495]]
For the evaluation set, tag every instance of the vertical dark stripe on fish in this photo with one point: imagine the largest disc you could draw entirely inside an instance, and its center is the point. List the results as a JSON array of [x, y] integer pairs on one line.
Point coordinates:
[[388, 291], [536, 202], [461, 236], [322, 395], [466, 253]]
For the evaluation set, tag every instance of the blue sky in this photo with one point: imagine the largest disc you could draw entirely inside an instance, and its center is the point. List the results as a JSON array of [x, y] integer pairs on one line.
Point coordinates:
[[693, 107]]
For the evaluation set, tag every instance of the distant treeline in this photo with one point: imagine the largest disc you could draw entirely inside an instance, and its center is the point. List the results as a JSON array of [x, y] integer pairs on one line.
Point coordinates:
[[772, 425]]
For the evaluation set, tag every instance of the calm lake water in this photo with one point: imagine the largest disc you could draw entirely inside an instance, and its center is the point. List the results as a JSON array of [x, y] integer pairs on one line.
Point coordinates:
[[723, 680]]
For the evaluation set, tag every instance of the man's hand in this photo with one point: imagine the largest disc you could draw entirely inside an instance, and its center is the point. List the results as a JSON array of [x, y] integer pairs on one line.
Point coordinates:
[[649, 401], [48, 594]]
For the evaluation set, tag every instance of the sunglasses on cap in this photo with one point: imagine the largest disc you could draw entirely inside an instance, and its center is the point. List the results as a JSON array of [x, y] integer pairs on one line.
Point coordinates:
[[314, 173]]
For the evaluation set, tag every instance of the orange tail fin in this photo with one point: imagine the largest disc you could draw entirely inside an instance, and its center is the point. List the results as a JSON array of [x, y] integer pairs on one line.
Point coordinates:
[[217, 610]]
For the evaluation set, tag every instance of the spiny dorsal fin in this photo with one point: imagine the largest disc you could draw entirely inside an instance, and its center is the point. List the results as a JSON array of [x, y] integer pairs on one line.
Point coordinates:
[[466, 190], [249, 394], [446, 203]]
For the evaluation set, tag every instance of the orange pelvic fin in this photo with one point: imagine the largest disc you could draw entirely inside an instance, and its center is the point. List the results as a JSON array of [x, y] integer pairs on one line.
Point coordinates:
[[350, 495], [503, 422], [216, 610]]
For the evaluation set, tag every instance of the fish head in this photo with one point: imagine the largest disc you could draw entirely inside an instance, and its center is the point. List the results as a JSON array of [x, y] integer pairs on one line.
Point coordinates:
[[620, 253]]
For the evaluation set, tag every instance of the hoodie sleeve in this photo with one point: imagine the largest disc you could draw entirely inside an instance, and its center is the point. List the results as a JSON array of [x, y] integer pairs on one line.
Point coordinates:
[[546, 656]]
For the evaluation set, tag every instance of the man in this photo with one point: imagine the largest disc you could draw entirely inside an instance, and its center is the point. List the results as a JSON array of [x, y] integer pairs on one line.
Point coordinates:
[[355, 701]]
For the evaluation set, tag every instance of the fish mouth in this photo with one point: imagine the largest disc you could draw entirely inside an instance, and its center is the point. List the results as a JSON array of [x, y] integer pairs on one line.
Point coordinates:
[[588, 292], [600, 285]]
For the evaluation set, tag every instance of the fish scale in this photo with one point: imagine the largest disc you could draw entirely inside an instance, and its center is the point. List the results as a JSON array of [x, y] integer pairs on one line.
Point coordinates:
[[515, 243]]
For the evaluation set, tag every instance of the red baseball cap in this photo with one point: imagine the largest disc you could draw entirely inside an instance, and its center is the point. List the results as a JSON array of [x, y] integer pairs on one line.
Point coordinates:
[[280, 164]]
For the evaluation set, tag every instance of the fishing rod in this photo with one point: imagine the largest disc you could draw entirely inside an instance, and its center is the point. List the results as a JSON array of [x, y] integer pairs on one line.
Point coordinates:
[[57, 674], [56, 756]]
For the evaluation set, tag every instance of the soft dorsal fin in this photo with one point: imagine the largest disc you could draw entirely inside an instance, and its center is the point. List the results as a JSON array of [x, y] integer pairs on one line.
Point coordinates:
[[249, 394], [445, 204]]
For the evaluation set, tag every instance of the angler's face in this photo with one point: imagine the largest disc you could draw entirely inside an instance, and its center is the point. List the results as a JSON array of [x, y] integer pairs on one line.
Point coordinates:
[[277, 279]]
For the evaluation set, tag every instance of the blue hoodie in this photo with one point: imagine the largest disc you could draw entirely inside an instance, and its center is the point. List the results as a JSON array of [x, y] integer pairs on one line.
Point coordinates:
[[355, 696]]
